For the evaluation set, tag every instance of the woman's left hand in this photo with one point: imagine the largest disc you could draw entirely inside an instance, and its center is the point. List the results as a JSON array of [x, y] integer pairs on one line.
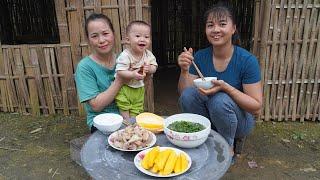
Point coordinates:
[[218, 85]]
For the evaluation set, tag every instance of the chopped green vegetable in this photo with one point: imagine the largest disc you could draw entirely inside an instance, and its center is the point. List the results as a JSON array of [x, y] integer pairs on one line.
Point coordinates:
[[185, 126]]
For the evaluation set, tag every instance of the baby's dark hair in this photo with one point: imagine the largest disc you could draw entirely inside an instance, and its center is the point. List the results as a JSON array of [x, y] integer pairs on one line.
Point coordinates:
[[222, 10], [96, 16], [137, 22]]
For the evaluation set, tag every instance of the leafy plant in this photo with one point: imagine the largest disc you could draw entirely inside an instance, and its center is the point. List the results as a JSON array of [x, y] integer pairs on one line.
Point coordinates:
[[298, 136]]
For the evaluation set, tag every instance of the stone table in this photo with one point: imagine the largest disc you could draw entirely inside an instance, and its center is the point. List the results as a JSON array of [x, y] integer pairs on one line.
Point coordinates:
[[209, 161]]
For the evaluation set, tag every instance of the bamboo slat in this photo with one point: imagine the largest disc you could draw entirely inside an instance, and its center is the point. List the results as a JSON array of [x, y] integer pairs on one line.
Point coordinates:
[[132, 10], [11, 90], [75, 39], [288, 58], [273, 65], [317, 77], [257, 28], [57, 97], [3, 95], [74, 26], [138, 9], [97, 6], [146, 11], [69, 92], [63, 81], [263, 53], [62, 21], [21, 84], [84, 52], [82, 18], [31, 84], [43, 69], [149, 93], [283, 27], [124, 20], [48, 83], [34, 61], [299, 90]]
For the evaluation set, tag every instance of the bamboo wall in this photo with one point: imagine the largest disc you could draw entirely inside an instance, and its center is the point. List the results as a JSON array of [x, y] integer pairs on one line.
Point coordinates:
[[38, 79], [287, 43]]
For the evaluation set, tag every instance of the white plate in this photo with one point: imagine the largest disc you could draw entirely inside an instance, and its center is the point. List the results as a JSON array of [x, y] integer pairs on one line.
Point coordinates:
[[138, 158], [154, 139]]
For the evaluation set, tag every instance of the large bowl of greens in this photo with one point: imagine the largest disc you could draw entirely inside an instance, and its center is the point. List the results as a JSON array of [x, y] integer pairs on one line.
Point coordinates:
[[187, 130]]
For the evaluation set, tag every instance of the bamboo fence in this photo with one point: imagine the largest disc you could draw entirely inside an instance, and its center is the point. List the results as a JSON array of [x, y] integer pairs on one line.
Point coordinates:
[[286, 42], [38, 79]]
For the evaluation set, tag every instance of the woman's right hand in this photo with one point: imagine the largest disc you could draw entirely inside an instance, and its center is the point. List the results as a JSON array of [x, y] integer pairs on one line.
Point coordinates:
[[185, 59]]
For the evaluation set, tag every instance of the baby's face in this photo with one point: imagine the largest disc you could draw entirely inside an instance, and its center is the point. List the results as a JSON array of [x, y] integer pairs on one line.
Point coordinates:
[[139, 38]]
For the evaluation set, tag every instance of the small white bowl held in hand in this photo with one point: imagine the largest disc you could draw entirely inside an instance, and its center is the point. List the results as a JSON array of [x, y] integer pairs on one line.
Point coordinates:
[[207, 84], [107, 122], [187, 140]]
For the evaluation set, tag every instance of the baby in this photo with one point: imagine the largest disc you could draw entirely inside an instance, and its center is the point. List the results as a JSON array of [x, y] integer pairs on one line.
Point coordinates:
[[135, 63]]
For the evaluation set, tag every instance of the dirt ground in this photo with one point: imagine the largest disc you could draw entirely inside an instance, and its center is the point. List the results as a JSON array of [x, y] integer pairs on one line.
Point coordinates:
[[38, 147]]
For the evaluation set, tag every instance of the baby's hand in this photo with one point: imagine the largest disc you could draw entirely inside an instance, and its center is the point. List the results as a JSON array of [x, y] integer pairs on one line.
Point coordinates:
[[137, 76], [146, 68]]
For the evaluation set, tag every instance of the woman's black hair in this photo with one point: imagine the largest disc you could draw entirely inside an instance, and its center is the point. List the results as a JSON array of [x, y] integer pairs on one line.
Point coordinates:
[[95, 16], [223, 10]]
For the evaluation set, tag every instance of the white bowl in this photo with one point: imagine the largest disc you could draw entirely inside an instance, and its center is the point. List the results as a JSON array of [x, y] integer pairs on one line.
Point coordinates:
[[107, 122], [205, 84], [187, 140]]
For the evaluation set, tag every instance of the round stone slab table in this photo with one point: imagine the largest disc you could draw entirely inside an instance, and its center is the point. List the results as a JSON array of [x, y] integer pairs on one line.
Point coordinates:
[[209, 161]]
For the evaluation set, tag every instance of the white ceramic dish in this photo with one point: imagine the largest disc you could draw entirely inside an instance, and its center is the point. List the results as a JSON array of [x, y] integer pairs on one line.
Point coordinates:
[[138, 158], [187, 140], [107, 122], [153, 142], [207, 84]]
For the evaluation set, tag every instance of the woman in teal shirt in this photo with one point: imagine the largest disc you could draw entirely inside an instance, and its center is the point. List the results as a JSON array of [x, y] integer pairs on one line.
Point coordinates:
[[96, 85]]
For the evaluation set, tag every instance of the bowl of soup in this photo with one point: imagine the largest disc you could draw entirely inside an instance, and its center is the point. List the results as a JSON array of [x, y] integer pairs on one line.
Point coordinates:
[[187, 130]]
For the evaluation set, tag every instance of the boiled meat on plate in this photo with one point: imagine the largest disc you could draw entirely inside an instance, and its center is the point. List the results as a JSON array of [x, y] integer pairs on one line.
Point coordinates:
[[133, 137]]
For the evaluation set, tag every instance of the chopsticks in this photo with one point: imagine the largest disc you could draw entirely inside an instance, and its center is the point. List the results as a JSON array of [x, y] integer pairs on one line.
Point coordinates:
[[126, 122], [194, 64]]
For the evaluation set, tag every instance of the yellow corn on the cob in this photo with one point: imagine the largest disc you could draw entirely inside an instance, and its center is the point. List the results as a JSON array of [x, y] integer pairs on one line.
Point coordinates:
[[164, 155], [155, 169], [170, 163], [184, 162], [153, 154], [177, 166], [161, 172], [144, 162]]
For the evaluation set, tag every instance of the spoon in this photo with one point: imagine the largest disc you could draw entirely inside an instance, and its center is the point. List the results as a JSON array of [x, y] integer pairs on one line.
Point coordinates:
[[194, 64]]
